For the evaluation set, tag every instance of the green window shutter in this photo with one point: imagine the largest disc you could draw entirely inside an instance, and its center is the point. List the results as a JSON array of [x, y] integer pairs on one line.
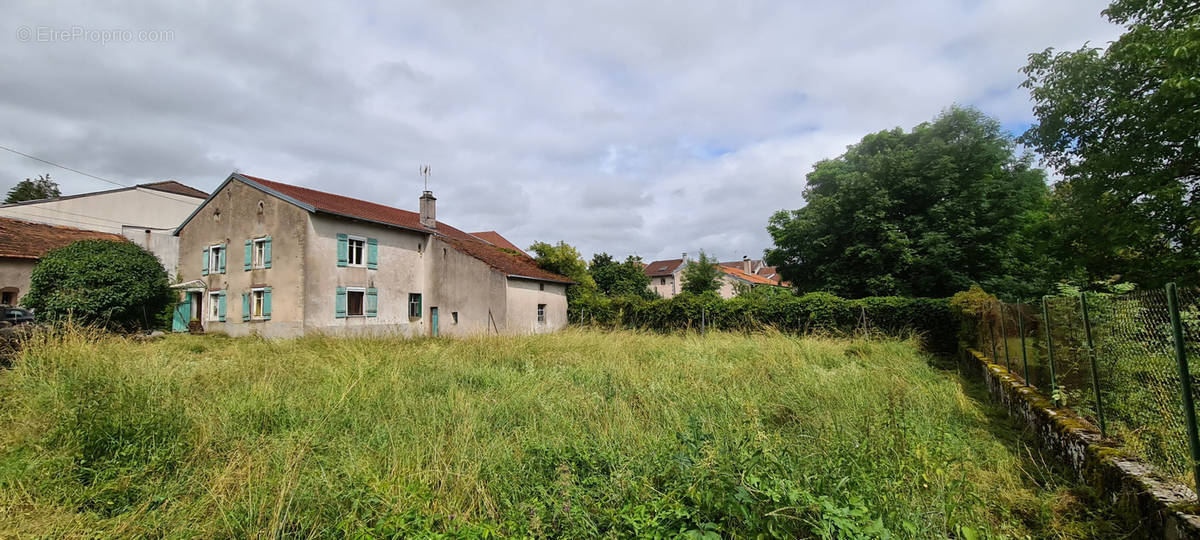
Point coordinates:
[[372, 302], [245, 307], [340, 305], [221, 263], [267, 253], [249, 255], [267, 303], [343, 243], [221, 307], [372, 253], [204, 265]]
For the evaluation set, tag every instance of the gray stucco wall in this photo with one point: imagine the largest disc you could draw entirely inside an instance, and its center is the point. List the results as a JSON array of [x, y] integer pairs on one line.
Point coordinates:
[[160, 242], [463, 284], [400, 271], [16, 273], [523, 299], [239, 220]]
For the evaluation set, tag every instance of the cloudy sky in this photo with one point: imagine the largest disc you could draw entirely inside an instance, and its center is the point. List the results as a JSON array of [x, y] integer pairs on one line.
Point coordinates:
[[648, 128]]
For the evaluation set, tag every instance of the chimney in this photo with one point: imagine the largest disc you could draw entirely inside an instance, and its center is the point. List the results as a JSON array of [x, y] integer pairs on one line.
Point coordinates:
[[685, 257], [746, 264], [428, 214]]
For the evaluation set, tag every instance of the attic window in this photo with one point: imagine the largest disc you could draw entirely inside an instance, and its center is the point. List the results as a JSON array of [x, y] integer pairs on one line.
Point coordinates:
[[663, 267], [261, 206], [217, 214]]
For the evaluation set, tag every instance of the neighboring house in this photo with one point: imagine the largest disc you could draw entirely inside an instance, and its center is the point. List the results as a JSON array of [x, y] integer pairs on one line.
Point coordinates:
[[280, 260], [666, 277], [757, 267], [22, 243], [146, 214]]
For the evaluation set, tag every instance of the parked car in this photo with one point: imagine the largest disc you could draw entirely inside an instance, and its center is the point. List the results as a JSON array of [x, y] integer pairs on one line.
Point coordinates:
[[16, 315]]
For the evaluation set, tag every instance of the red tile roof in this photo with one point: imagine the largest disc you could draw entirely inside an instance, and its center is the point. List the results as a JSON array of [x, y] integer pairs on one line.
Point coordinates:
[[492, 255], [355, 208], [662, 268], [752, 278], [171, 186], [494, 238], [510, 264], [26, 240]]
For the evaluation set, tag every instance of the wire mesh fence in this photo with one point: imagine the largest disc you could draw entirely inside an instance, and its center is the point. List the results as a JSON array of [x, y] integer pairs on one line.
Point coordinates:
[[1115, 360]]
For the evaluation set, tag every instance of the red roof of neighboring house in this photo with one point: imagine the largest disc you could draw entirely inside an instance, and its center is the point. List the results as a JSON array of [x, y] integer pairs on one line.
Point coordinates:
[[662, 268], [171, 186], [494, 238], [752, 278], [26, 240], [490, 254]]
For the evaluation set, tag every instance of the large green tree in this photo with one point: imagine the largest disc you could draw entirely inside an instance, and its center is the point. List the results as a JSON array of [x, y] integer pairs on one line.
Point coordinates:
[[924, 213], [701, 275], [563, 259], [1122, 125], [33, 189], [620, 278]]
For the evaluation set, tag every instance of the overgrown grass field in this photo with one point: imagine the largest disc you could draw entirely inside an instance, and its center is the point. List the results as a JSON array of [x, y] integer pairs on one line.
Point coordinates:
[[576, 434]]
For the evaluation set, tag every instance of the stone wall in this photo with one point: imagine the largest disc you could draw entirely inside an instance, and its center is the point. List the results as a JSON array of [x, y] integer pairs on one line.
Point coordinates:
[[1160, 507]]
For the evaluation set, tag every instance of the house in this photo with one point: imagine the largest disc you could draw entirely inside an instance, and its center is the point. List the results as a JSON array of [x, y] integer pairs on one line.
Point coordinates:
[[666, 276], [274, 259], [146, 214], [22, 243], [757, 267]]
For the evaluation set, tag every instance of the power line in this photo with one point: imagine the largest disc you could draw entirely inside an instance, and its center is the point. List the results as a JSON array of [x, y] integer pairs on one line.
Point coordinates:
[[77, 171]]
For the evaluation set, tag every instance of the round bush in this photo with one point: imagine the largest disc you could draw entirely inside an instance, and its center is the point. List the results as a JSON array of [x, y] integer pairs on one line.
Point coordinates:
[[118, 285]]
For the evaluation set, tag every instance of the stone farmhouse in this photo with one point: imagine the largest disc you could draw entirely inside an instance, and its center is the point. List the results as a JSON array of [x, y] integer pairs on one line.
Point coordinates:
[[666, 276], [279, 260], [23, 243], [146, 214]]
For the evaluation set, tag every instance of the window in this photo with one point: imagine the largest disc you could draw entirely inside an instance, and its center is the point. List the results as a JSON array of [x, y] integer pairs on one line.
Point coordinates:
[[214, 306], [662, 281], [257, 303], [355, 300], [354, 251], [454, 315], [414, 305], [8, 297], [541, 286], [260, 253], [541, 313], [214, 260]]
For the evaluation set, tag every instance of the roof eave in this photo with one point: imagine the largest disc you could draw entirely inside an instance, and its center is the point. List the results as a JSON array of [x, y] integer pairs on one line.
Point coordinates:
[[531, 278]]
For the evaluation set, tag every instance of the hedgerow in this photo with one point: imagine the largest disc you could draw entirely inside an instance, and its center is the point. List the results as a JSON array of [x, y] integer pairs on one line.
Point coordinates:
[[778, 308]]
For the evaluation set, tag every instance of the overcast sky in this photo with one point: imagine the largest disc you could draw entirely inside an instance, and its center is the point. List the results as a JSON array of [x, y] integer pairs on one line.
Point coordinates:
[[646, 128]]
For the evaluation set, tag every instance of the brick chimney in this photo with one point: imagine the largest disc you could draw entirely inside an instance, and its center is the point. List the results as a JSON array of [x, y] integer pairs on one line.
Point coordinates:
[[428, 213], [746, 264]]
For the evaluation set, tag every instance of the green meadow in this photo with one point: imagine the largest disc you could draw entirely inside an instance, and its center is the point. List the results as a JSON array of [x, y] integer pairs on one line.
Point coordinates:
[[578, 434]]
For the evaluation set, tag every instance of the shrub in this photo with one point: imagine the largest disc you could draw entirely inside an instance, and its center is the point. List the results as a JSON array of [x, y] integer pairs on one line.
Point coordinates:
[[117, 285]]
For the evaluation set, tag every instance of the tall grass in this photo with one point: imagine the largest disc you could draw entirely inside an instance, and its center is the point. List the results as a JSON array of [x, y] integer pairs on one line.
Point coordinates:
[[576, 434]]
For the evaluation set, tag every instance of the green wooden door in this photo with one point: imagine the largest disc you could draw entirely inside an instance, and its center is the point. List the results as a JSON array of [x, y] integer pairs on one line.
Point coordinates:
[[183, 314]]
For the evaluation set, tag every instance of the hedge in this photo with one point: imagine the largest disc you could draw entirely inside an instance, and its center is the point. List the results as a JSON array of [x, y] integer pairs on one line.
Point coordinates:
[[932, 318]]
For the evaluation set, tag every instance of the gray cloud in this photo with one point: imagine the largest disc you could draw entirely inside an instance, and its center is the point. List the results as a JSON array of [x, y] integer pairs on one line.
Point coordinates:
[[647, 128]]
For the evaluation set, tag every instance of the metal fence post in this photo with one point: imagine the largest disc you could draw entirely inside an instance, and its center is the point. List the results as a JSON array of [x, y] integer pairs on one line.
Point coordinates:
[[1004, 336], [1021, 329], [1087, 332], [1185, 380], [1050, 351], [992, 328]]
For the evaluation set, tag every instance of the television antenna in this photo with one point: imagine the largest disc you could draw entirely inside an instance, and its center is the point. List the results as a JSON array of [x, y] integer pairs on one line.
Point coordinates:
[[424, 169]]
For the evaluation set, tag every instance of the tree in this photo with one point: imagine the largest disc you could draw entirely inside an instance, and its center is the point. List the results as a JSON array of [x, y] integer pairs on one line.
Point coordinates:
[[1121, 124], [31, 190], [700, 275], [110, 283], [565, 260], [620, 279], [924, 213]]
